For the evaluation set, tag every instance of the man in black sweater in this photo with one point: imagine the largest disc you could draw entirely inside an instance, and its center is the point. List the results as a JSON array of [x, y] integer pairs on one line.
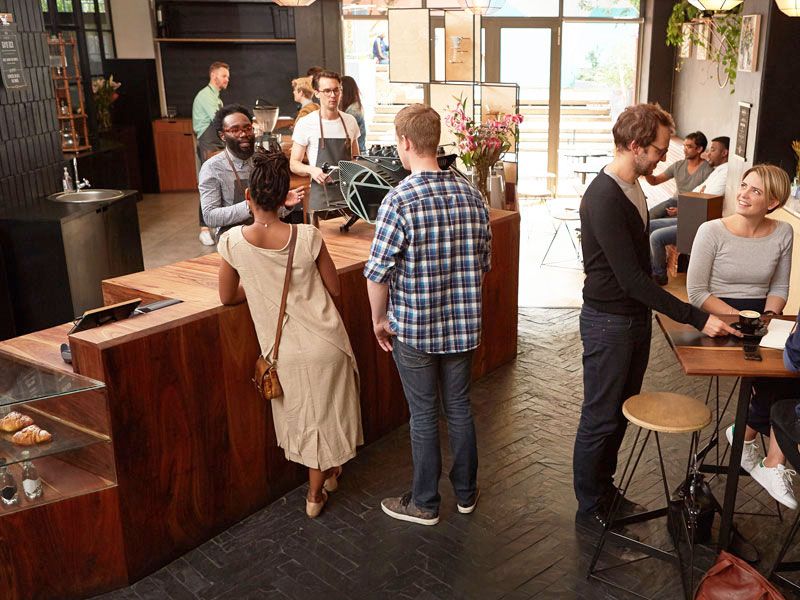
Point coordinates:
[[618, 295]]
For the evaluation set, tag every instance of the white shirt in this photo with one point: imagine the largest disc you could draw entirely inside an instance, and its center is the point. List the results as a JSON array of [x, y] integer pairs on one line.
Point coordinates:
[[716, 182], [306, 132]]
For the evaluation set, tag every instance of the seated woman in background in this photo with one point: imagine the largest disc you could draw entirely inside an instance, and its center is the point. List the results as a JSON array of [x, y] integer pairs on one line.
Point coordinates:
[[318, 418], [304, 96], [742, 262], [350, 102]]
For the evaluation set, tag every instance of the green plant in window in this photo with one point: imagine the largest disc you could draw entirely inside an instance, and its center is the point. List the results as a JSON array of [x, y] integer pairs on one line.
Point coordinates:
[[722, 46]]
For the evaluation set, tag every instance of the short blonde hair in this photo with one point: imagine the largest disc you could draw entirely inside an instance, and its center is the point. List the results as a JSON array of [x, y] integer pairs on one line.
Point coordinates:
[[217, 65], [422, 126], [776, 183], [303, 85]]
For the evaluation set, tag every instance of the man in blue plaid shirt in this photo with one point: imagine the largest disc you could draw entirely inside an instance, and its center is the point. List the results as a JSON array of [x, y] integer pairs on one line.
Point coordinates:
[[431, 249]]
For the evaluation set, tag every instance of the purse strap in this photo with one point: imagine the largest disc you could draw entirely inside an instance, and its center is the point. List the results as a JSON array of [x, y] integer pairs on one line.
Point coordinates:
[[286, 279]]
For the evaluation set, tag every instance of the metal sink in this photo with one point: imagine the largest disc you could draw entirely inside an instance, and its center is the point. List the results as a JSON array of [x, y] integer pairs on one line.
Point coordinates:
[[85, 196]]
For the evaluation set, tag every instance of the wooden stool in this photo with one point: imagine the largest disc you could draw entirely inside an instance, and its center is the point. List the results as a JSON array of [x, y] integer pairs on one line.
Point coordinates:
[[672, 260], [653, 412]]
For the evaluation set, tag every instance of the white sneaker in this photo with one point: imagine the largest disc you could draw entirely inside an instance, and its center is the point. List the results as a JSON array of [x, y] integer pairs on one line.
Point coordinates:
[[750, 454], [205, 238], [777, 481]]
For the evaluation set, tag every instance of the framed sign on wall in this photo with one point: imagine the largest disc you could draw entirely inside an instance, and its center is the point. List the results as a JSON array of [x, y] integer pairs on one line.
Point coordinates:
[[748, 43]]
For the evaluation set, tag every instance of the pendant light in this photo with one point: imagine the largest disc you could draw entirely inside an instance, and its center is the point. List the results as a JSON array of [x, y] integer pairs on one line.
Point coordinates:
[[790, 7], [293, 3], [715, 5], [482, 7]]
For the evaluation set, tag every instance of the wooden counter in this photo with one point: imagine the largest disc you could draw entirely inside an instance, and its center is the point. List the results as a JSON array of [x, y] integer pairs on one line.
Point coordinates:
[[194, 446]]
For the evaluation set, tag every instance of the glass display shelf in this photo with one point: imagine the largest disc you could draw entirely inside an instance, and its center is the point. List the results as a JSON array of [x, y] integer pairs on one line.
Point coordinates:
[[62, 477], [23, 381], [65, 436]]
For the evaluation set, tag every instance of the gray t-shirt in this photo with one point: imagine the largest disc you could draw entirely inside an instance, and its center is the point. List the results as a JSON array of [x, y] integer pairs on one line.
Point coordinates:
[[730, 266], [634, 193], [685, 182]]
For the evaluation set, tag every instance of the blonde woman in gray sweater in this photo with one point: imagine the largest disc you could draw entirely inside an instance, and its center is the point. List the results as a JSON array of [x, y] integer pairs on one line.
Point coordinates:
[[742, 262]]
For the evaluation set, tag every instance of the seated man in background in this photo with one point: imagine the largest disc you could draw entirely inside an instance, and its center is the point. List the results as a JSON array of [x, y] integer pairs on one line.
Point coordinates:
[[664, 232], [688, 174]]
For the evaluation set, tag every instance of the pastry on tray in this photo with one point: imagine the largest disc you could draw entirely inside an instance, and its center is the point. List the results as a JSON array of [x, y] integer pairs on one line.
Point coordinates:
[[14, 421], [31, 435]]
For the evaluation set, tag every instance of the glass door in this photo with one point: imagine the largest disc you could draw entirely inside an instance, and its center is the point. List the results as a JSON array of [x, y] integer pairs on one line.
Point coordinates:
[[526, 51]]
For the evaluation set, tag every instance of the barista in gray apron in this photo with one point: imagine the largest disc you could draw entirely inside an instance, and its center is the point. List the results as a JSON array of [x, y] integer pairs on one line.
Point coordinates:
[[331, 151]]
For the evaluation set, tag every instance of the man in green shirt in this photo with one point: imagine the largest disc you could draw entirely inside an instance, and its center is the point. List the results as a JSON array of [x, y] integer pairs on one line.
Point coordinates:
[[206, 104]]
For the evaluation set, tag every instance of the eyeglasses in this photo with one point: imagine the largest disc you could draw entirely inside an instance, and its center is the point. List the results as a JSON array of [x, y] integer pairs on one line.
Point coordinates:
[[331, 92], [247, 130], [662, 152]]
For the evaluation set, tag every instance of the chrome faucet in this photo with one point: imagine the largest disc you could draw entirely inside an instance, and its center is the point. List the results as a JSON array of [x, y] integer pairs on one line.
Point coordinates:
[[79, 183]]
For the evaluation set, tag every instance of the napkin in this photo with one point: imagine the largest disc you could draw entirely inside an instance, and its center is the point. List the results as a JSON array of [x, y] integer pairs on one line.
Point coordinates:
[[779, 330]]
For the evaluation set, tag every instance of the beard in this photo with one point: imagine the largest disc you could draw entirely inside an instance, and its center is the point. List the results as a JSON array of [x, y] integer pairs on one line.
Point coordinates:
[[235, 148], [644, 166]]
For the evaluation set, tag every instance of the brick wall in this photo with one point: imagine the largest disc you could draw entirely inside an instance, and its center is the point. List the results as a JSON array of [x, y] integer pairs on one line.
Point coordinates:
[[30, 150]]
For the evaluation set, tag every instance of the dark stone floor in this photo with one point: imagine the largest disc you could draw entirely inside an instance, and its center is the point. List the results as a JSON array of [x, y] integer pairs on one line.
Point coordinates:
[[521, 542]]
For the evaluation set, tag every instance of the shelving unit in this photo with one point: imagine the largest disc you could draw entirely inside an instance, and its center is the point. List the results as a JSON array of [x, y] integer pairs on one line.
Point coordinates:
[[68, 84]]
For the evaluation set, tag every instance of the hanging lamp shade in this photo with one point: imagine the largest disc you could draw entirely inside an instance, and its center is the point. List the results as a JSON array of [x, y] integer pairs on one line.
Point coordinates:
[[482, 7], [294, 3], [790, 7], [715, 5]]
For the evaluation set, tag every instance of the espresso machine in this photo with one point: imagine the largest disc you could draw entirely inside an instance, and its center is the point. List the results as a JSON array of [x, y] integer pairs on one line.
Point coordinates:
[[266, 116]]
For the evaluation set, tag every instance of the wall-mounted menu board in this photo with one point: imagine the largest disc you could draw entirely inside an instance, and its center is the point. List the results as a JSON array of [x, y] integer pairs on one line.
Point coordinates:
[[10, 61], [742, 127]]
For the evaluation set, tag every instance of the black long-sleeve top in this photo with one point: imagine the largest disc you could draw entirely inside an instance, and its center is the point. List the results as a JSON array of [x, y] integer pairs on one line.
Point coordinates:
[[616, 258]]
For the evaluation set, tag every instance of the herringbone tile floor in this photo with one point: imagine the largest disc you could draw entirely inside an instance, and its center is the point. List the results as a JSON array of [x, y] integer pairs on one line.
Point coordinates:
[[521, 541]]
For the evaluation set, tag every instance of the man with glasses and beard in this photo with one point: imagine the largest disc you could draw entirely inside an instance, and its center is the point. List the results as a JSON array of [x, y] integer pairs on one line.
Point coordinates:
[[225, 176], [327, 135], [618, 296]]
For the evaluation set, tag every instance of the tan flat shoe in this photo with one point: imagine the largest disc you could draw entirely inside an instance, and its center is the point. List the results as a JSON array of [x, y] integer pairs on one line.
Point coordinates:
[[314, 508], [332, 483]]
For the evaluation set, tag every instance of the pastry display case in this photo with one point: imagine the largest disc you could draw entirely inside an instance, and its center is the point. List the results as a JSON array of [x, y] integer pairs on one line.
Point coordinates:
[[55, 440]]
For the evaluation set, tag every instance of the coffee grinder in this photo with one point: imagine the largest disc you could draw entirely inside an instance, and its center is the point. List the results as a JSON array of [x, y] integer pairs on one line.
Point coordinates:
[[266, 116]]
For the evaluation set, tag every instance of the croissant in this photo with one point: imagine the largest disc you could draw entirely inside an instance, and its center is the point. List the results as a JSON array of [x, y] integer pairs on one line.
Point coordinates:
[[14, 421], [31, 435]]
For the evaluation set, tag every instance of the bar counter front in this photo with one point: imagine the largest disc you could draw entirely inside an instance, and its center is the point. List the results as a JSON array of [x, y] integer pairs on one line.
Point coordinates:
[[193, 446]]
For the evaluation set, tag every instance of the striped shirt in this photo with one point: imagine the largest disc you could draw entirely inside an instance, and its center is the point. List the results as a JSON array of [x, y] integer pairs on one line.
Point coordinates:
[[432, 245]]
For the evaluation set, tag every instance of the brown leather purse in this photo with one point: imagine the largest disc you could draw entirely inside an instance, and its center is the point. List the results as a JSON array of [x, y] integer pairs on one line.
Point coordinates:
[[266, 373], [730, 578]]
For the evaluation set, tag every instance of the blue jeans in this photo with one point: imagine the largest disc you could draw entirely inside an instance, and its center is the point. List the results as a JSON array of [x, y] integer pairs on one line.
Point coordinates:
[[616, 349], [659, 211], [426, 378], [663, 232]]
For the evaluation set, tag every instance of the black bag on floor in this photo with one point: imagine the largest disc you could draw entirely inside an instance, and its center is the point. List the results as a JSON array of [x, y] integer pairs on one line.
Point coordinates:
[[698, 504]]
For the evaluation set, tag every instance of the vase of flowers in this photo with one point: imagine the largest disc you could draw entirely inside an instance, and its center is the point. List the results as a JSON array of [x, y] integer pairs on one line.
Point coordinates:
[[796, 148], [105, 93], [481, 144]]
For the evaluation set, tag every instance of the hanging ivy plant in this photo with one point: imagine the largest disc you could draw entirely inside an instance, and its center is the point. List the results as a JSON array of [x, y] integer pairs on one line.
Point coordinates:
[[722, 46]]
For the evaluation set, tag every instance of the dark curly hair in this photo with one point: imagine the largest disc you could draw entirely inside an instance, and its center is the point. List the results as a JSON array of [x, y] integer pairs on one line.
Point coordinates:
[[269, 179], [229, 109]]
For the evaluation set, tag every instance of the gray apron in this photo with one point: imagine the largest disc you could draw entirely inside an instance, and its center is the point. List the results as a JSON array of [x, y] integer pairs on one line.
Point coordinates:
[[208, 143], [331, 151], [239, 186]]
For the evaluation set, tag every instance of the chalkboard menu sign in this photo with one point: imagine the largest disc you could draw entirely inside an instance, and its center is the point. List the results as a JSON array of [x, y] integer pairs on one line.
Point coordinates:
[[742, 126], [10, 61]]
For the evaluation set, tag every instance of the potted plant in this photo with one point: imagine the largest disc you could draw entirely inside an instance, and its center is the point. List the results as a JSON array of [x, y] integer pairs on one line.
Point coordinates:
[[105, 93]]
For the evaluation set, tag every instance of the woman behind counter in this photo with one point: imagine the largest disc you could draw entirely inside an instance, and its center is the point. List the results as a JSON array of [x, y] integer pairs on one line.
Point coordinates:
[[350, 102], [742, 262], [318, 418]]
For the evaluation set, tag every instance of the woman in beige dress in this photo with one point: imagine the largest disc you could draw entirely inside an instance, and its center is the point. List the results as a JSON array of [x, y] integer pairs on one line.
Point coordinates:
[[318, 418]]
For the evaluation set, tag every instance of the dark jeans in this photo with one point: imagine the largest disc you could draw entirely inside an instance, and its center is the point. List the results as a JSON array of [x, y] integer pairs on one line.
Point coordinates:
[[427, 379], [659, 211], [616, 349], [787, 429]]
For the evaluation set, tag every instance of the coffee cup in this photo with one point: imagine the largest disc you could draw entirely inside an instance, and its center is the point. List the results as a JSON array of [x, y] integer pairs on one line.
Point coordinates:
[[749, 321]]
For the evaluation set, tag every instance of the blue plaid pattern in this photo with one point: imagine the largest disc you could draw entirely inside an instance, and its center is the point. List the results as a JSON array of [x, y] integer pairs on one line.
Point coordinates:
[[432, 245]]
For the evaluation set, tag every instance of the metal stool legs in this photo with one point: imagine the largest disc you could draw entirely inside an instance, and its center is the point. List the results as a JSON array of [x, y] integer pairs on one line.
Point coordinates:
[[779, 565], [613, 523]]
